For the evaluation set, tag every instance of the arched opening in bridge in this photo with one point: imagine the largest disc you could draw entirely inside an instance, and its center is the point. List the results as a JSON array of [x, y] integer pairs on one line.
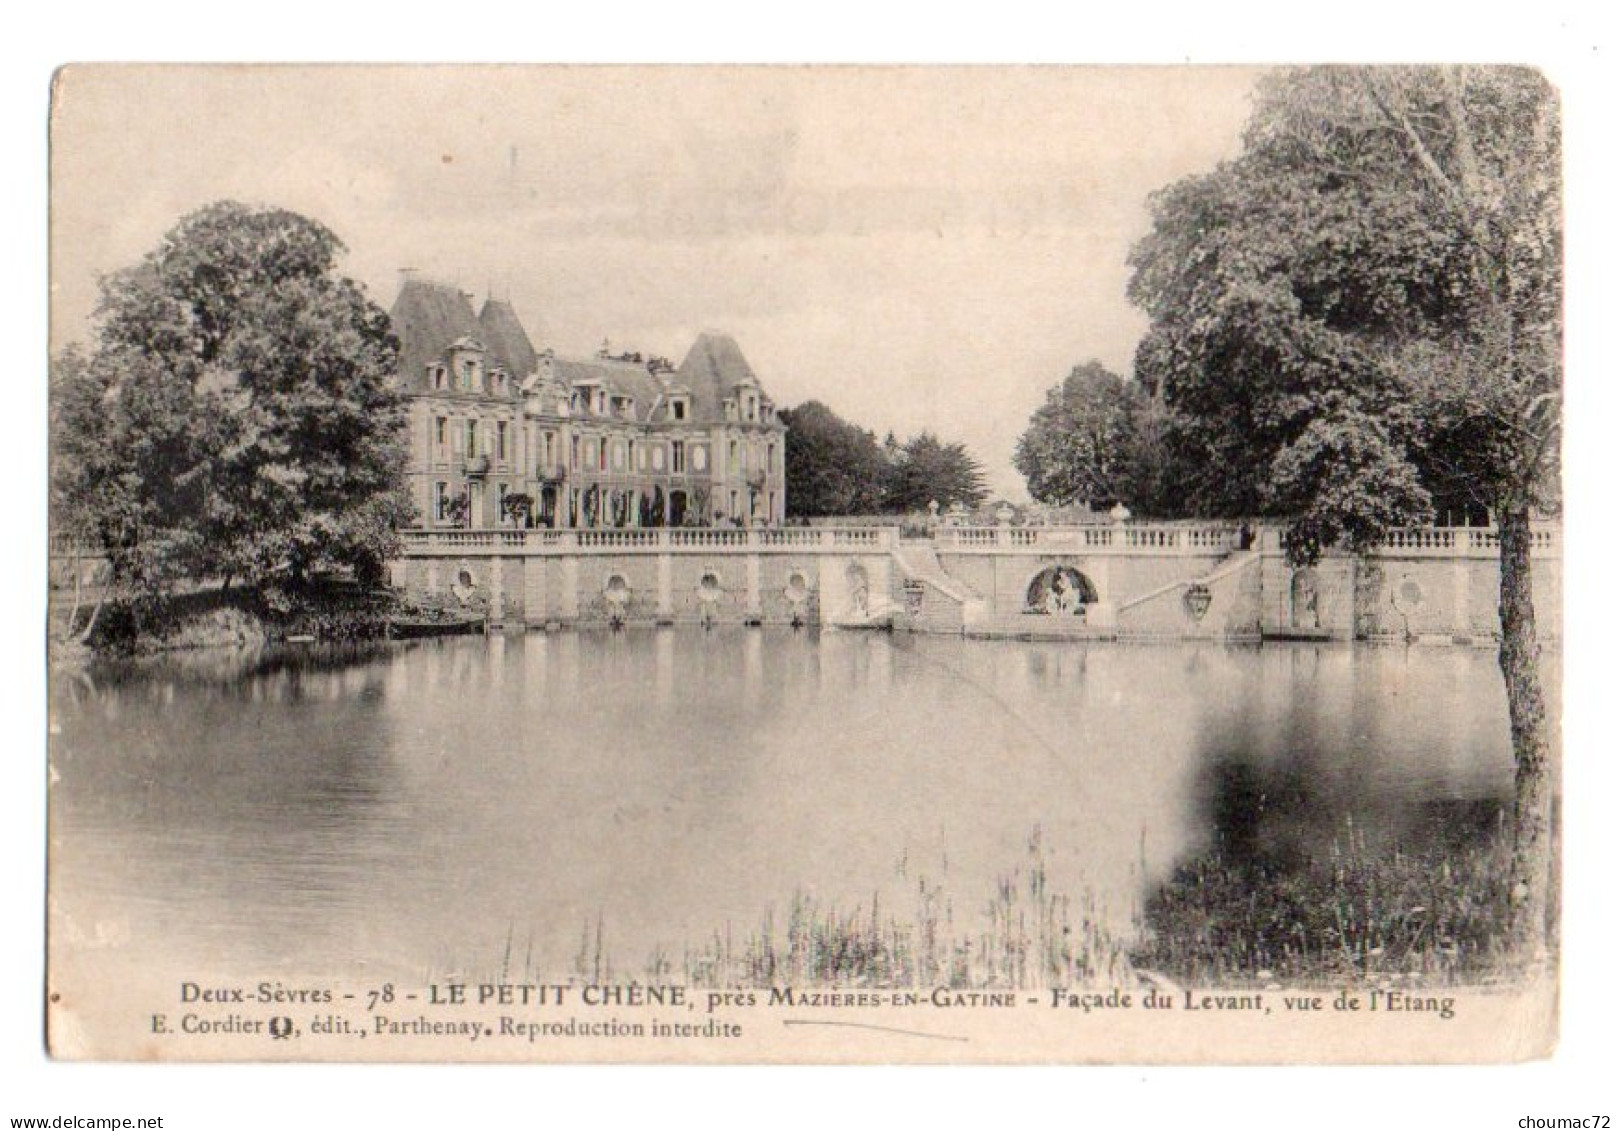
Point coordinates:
[[1060, 591]]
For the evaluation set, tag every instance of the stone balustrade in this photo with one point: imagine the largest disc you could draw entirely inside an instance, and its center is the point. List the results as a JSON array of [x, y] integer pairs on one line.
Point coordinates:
[[1464, 541], [664, 540], [1125, 538], [1156, 538]]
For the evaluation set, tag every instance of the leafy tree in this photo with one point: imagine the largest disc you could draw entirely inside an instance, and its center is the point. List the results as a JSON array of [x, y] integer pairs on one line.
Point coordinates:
[[1085, 444], [74, 397], [458, 508], [926, 470], [832, 466], [1361, 315], [237, 418], [520, 508]]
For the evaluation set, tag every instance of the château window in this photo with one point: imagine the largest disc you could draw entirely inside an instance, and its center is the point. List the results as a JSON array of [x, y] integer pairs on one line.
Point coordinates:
[[501, 440], [441, 438], [678, 456], [439, 500], [470, 439], [678, 410]]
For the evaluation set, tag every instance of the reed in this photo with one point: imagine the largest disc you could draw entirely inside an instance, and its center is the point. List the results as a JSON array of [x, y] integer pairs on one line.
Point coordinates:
[[1349, 914], [1025, 936]]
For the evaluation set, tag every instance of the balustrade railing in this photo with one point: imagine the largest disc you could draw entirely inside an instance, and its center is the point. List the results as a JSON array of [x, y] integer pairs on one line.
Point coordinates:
[[823, 538], [1131, 538], [1464, 541], [1137, 537]]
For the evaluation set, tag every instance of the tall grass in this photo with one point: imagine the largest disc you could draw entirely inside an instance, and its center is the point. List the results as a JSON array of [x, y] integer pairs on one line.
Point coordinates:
[[1349, 914], [1024, 936]]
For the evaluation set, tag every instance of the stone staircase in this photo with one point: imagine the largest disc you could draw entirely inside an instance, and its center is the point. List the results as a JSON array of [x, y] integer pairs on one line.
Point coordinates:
[[919, 562]]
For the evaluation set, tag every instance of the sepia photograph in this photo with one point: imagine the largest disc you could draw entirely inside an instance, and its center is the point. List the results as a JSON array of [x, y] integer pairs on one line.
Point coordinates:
[[805, 565]]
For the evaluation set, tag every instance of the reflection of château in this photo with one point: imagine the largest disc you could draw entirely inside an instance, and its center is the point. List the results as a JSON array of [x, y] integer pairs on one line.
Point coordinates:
[[604, 442]]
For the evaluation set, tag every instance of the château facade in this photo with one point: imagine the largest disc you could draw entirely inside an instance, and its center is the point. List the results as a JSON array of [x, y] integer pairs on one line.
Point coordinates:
[[603, 442]]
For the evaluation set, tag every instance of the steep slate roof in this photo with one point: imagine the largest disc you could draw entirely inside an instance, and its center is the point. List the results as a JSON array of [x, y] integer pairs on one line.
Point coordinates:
[[624, 378], [427, 317], [505, 338], [712, 368]]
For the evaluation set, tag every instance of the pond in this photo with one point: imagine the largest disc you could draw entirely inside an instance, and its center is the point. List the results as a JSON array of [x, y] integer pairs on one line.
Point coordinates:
[[472, 804]]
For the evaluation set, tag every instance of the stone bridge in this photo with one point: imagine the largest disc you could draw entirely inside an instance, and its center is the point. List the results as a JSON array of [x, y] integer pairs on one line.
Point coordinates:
[[1123, 581]]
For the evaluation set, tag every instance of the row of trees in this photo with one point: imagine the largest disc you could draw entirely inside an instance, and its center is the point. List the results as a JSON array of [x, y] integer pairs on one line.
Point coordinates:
[[1354, 324], [235, 418], [835, 467]]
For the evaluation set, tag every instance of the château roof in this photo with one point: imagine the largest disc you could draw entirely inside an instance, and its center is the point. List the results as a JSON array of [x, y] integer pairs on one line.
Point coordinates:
[[620, 378], [427, 318], [508, 343], [712, 369]]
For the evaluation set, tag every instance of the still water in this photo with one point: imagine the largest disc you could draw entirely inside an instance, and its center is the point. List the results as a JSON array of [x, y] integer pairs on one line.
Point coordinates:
[[451, 806]]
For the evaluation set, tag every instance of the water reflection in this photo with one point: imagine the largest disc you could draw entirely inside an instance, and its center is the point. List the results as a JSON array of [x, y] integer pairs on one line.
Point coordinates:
[[417, 806]]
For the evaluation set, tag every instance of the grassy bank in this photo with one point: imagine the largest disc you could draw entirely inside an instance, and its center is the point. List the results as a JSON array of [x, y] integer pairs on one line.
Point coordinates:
[[1351, 916], [1346, 915], [213, 617], [1025, 937]]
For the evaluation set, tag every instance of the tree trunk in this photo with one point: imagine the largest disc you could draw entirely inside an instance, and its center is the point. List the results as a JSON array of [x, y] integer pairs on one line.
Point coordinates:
[[95, 613], [1533, 860], [73, 613]]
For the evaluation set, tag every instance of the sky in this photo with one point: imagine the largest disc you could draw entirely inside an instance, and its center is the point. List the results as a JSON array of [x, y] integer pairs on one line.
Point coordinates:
[[926, 248]]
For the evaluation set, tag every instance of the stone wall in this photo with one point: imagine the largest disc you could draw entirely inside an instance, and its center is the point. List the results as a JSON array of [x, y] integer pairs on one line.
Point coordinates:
[[1239, 596], [1222, 604], [632, 588]]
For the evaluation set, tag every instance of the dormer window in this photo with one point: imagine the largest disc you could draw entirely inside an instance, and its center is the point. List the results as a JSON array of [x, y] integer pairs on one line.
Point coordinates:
[[678, 409], [469, 374], [437, 375], [601, 403]]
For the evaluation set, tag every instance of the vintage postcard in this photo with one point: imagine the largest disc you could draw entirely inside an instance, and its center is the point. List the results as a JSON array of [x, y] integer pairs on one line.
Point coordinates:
[[805, 564]]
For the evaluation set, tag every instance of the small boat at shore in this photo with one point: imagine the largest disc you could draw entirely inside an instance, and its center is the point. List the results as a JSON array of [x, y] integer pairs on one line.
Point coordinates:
[[407, 627]]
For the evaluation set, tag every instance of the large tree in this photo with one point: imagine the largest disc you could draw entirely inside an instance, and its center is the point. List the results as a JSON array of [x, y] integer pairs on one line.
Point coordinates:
[[1091, 443], [832, 466], [237, 417], [1360, 315], [927, 470]]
